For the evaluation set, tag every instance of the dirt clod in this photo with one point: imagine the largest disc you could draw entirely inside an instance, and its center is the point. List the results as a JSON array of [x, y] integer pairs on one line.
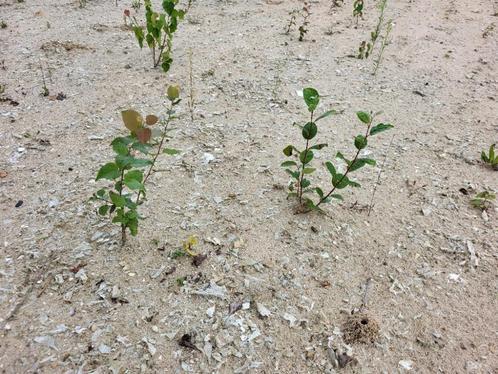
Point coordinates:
[[360, 328]]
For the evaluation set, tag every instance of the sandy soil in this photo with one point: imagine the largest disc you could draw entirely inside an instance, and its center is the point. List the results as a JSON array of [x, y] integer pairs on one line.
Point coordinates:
[[72, 301]]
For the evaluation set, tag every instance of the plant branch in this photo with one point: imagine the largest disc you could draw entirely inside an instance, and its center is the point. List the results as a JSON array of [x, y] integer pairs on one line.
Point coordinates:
[[348, 168], [159, 149]]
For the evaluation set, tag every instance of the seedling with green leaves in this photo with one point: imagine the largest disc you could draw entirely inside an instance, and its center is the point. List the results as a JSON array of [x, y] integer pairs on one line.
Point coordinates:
[[301, 169], [491, 158], [483, 200], [159, 31], [136, 156]]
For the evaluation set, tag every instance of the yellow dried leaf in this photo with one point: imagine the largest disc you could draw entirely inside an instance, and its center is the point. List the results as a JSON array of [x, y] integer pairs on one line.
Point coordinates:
[[132, 120]]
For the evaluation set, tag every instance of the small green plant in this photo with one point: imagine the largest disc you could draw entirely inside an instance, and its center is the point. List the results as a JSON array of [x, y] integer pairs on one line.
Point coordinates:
[[3, 24], [483, 200], [358, 10], [491, 158], [300, 170], [159, 31], [121, 201], [304, 12]]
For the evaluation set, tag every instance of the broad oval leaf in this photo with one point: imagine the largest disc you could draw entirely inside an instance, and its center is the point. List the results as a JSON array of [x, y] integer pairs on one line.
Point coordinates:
[[340, 181], [108, 171], [364, 117], [311, 98], [306, 156], [308, 170], [360, 142], [309, 130], [319, 146], [132, 120]]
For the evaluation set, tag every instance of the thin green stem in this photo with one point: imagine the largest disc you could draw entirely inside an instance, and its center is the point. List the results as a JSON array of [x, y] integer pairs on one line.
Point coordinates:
[[301, 177]]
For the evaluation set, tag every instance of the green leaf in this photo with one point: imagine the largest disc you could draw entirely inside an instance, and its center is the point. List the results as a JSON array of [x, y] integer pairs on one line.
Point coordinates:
[[360, 162], [330, 168], [108, 171], [326, 114], [364, 117], [286, 164], [103, 210], [380, 127], [306, 156], [120, 146], [171, 151], [309, 130], [353, 183], [130, 161], [337, 196], [308, 170], [100, 193], [294, 174], [139, 34], [340, 181], [311, 98], [340, 156], [319, 192], [166, 63], [484, 157], [492, 152], [133, 180], [288, 150], [360, 142], [143, 148], [305, 183], [319, 146], [117, 200]]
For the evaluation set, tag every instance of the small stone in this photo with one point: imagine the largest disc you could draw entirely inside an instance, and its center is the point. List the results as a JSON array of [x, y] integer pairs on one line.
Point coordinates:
[[406, 364], [262, 310]]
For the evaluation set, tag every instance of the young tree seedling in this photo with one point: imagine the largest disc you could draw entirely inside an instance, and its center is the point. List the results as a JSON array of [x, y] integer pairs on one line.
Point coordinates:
[[301, 169], [483, 200], [129, 171], [385, 41], [491, 158], [160, 28]]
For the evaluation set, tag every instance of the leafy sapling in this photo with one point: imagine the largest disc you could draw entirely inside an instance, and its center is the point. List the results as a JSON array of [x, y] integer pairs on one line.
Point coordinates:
[[491, 158], [305, 13], [159, 31], [136, 156], [301, 169]]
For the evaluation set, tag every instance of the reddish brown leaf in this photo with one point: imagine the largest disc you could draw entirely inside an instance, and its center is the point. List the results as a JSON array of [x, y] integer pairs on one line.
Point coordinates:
[[144, 135]]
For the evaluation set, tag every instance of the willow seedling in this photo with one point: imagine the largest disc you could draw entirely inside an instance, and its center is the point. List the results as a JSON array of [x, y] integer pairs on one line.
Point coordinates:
[[301, 169], [135, 157]]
